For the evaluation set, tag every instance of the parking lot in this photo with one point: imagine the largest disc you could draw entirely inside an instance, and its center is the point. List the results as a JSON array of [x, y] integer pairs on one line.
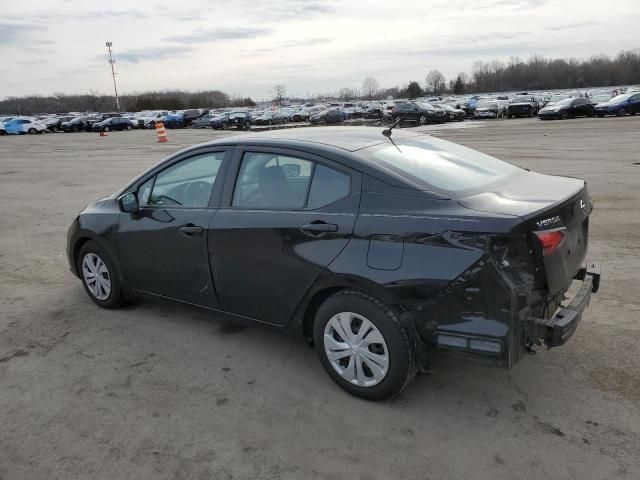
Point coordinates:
[[160, 390]]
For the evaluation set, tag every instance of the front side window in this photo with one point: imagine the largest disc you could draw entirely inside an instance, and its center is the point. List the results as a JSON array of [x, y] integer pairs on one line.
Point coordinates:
[[272, 181], [188, 183]]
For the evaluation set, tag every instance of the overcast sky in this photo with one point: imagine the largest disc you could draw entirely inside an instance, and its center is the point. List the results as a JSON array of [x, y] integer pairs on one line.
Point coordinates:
[[247, 46]]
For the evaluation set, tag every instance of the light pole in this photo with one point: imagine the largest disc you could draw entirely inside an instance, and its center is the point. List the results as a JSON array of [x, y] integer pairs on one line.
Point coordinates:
[[113, 74]]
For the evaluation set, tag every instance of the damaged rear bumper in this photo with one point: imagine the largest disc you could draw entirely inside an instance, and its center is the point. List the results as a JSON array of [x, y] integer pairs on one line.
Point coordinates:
[[556, 330]]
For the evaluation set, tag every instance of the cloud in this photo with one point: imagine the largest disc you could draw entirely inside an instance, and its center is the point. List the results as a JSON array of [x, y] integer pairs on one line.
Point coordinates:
[[16, 33], [224, 33], [152, 53], [570, 26], [288, 9], [309, 42]]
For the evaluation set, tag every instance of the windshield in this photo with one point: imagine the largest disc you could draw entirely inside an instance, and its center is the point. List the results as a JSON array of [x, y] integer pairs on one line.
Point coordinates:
[[621, 98], [566, 101], [520, 99], [430, 162]]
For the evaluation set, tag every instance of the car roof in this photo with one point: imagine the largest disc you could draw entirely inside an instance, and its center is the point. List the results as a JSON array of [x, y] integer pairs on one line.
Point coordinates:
[[345, 138]]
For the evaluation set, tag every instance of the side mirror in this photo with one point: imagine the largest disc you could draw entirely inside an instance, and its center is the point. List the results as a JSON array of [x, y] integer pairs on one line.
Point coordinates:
[[129, 203]]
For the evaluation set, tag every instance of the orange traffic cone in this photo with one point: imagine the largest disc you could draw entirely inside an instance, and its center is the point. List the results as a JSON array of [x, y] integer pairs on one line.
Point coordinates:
[[103, 134], [161, 132]]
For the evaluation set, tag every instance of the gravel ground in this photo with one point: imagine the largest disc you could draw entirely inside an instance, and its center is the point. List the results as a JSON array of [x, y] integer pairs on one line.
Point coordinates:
[[158, 391]]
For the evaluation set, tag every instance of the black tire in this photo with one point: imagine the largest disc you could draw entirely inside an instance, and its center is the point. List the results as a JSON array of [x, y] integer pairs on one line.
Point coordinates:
[[601, 115], [115, 298], [32, 131], [224, 125], [129, 127], [247, 125], [403, 363], [422, 120], [564, 115], [106, 129], [621, 112]]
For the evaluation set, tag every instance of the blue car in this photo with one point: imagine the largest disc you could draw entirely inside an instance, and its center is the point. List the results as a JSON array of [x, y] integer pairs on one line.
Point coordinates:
[[173, 120], [620, 105]]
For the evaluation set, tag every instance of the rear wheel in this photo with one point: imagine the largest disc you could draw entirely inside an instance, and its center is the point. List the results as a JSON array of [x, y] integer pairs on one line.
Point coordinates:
[[129, 127], [363, 346], [564, 115], [99, 276], [247, 125]]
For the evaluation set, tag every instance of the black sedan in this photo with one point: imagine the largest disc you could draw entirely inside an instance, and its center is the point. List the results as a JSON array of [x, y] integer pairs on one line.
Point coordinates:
[[78, 124], [203, 122], [418, 112], [113, 123], [330, 115], [452, 114], [54, 124], [270, 118], [567, 108], [376, 247]]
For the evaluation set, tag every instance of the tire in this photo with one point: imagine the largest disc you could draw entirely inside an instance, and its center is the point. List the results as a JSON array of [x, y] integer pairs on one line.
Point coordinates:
[[510, 116], [564, 115], [32, 131], [422, 120], [224, 125], [396, 119], [106, 129], [247, 125], [397, 347], [601, 115], [152, 125], [621, 112], [114, 298], [129, 128]]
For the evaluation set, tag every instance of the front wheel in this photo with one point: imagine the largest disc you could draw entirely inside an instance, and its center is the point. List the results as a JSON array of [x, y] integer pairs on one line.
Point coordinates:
[[564, 116], [621, 113], [363, 346], [99, 276], [106, 129], [129, 127], [422, 120], [32, 131], [247, 125]]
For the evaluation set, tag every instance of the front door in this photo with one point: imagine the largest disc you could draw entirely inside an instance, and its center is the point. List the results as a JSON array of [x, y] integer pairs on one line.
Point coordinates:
[[163, 247], [287, 216]]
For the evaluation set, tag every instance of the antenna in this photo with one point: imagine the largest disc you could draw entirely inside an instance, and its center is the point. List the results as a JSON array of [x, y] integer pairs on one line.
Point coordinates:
[[113, 74], [387, 132]]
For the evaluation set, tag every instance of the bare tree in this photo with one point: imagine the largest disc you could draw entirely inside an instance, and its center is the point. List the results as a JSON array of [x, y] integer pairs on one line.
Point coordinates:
[[346, 94], [435, 81], [370, 87], [278, 93]]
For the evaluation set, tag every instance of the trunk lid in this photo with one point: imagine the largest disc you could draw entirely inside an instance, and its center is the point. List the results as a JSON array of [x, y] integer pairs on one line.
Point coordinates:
[[545, 203]]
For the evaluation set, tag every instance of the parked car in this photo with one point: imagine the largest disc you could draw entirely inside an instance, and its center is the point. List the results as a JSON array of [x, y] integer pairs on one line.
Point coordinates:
[[113, 123], [270, 118], [373, 111], [3, 120], [489, 108], [150, 118], [620, 105], [452, 114], [189, 116], [523, 105], [567, 108], [240, 120], [54, 124], [203, 122], [329, 115], [81, 123], [220, 121], [417, 112], [22, 125], [375, 252]]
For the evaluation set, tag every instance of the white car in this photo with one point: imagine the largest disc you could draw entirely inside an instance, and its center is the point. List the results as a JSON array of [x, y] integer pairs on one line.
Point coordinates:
[[149, 119], [19, 125]]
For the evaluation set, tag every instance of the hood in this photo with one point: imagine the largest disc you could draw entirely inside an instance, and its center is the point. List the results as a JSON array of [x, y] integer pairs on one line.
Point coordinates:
[[524, 195], [520, 104]]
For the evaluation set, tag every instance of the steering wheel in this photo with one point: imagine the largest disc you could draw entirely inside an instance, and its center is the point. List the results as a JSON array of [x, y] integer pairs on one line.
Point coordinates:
[[197, 194]]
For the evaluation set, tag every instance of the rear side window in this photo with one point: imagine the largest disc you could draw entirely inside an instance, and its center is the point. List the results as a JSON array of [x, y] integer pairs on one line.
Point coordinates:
[[328, 186], [279, 182], [430, 162]]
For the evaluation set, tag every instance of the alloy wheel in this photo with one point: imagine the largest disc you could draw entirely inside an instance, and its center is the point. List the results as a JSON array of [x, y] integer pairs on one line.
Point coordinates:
[[96, 276], [356, 349]]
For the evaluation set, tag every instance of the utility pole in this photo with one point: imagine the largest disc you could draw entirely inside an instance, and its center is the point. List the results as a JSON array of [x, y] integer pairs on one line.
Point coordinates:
[[113, 74]]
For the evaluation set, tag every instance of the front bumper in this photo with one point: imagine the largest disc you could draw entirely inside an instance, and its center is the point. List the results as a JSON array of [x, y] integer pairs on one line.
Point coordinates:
[[558, 329]]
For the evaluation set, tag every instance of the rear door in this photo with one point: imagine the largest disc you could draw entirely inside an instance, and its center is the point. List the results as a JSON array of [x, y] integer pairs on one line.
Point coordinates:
[[285, 215], [163, 247]]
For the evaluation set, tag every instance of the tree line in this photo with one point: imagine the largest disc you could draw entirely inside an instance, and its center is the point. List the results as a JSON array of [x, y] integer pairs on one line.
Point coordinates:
[[535, 73], [135, 102]]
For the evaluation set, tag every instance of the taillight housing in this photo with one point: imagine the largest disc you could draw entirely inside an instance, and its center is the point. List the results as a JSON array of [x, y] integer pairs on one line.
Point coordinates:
[[550, 240]]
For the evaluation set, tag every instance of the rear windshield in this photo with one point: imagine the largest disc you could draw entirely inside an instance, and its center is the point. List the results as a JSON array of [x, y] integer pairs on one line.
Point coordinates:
[[429, 162]]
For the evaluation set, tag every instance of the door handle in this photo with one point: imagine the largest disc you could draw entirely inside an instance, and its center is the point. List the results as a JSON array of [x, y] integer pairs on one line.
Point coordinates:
[[190, 230], [319, 228]]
